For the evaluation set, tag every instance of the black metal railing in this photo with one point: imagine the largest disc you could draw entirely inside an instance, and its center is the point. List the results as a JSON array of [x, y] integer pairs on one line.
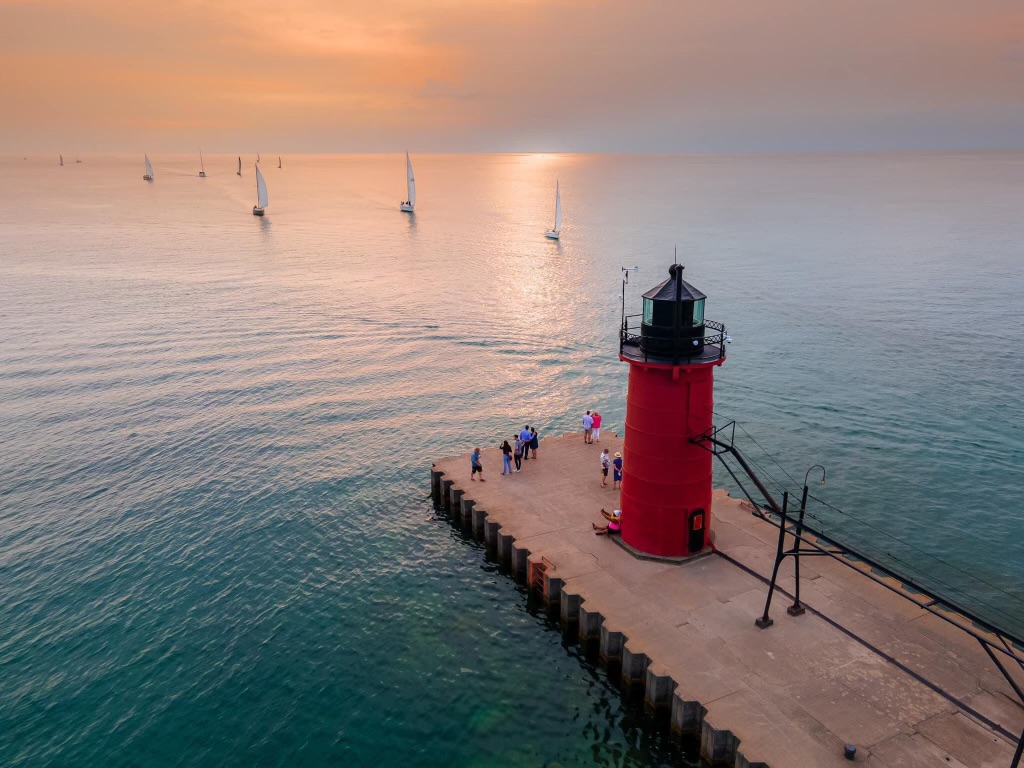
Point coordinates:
[[634, 345], [1003, 647]]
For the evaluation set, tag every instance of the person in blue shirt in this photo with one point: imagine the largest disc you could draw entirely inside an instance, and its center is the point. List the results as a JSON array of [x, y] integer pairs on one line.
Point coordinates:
[[525, 437], [617, 471], [477, 466]]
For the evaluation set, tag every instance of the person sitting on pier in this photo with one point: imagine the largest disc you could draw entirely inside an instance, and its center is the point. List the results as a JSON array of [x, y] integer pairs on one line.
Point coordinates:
[[614, 523]]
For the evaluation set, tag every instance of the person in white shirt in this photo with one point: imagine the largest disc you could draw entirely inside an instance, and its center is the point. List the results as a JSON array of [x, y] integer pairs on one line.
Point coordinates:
[[588, 428], [606, 463]]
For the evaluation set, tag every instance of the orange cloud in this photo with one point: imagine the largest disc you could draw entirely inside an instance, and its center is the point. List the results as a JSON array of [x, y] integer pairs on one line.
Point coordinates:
[[331, 74]]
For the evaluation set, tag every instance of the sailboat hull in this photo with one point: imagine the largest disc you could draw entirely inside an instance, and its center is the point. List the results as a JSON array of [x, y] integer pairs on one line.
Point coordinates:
[[202, 174], [147, 177], [552, 235], [257, 211], [406, 208]]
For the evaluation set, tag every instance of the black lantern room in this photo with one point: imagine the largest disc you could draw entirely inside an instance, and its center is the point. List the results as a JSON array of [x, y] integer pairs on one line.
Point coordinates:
[[673, 318]]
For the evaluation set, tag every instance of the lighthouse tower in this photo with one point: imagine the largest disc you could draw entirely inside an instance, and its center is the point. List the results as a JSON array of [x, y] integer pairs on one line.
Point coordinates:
[[672, 353]]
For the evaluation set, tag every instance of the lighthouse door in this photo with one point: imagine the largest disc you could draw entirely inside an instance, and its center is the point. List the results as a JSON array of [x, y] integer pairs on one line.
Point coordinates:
[[695, 542]]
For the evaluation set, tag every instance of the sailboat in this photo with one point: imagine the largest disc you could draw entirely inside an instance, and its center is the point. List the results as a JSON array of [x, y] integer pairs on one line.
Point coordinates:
[[239, 171], [62, 161], [410, 187], [278, 161], [149, 171], [556, 231], [202, 168], [261, 194], [257, 157], [76, 159]]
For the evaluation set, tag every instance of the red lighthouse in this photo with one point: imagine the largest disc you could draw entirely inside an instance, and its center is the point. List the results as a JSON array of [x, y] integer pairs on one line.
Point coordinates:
[[666, 476]]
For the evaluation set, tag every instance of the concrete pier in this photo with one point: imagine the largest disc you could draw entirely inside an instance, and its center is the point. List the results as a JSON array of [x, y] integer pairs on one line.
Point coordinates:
[[862, 666]]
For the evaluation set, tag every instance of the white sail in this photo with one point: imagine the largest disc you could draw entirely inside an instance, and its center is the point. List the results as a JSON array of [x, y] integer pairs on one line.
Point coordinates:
[[410, 181], [558, 208], [202, 167], [261, 189], [149, 167], [257, 157]]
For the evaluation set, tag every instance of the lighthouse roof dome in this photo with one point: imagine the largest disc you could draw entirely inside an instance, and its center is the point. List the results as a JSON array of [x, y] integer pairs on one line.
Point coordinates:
[[666, 291]]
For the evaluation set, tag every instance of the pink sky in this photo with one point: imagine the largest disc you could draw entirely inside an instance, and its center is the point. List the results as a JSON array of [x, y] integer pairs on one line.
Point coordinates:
[[524, 75]]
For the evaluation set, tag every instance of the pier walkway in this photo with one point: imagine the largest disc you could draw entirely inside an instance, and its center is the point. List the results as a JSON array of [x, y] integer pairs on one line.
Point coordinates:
[[849, 671]]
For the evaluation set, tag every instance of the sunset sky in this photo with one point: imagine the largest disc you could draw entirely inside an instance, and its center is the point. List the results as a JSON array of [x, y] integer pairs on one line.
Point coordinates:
[[517, 75]]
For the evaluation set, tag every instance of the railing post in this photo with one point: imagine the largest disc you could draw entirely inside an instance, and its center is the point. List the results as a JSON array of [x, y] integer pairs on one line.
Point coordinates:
[[796, 609], [1019, 753], [766, 621]]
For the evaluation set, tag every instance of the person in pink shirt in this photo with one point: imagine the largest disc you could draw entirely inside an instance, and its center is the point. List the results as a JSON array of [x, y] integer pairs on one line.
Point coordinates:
[[614, 523], [597, 426]]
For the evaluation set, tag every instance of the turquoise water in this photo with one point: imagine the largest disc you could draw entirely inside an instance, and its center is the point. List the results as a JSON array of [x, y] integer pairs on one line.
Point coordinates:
[[216, 541]]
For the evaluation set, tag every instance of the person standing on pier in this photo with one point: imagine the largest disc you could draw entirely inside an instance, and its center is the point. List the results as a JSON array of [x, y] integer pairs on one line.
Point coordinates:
[[519, 453], [588, 427], [606, 463], [617, 472], [534, 442], [525, 437], [474, 459], [597, 427], [506, 458]]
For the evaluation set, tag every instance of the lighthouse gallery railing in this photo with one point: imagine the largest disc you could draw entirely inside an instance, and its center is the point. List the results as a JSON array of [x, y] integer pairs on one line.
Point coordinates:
[[632, 342]]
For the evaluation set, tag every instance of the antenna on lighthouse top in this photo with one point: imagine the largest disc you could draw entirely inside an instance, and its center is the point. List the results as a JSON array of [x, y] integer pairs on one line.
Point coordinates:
[[675, 254], [625, 282]]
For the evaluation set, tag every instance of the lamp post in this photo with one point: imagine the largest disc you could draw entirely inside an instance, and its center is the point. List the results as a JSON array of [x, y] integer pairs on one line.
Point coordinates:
[[796, 609]]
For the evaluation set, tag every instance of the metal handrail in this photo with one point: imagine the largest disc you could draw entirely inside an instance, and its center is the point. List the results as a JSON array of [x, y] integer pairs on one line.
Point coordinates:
[[631, 335], [818, 543]]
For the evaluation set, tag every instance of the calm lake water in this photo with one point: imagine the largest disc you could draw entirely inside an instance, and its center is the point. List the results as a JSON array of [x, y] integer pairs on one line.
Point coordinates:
[[216, 541]]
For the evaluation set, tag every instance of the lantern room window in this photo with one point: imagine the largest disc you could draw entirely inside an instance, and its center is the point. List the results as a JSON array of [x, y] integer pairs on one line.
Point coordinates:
[[698, 312]]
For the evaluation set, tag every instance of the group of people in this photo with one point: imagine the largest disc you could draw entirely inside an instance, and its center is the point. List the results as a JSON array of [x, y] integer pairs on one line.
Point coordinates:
[[615, 465], [591, 427], [514, 453], [519, 450]]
